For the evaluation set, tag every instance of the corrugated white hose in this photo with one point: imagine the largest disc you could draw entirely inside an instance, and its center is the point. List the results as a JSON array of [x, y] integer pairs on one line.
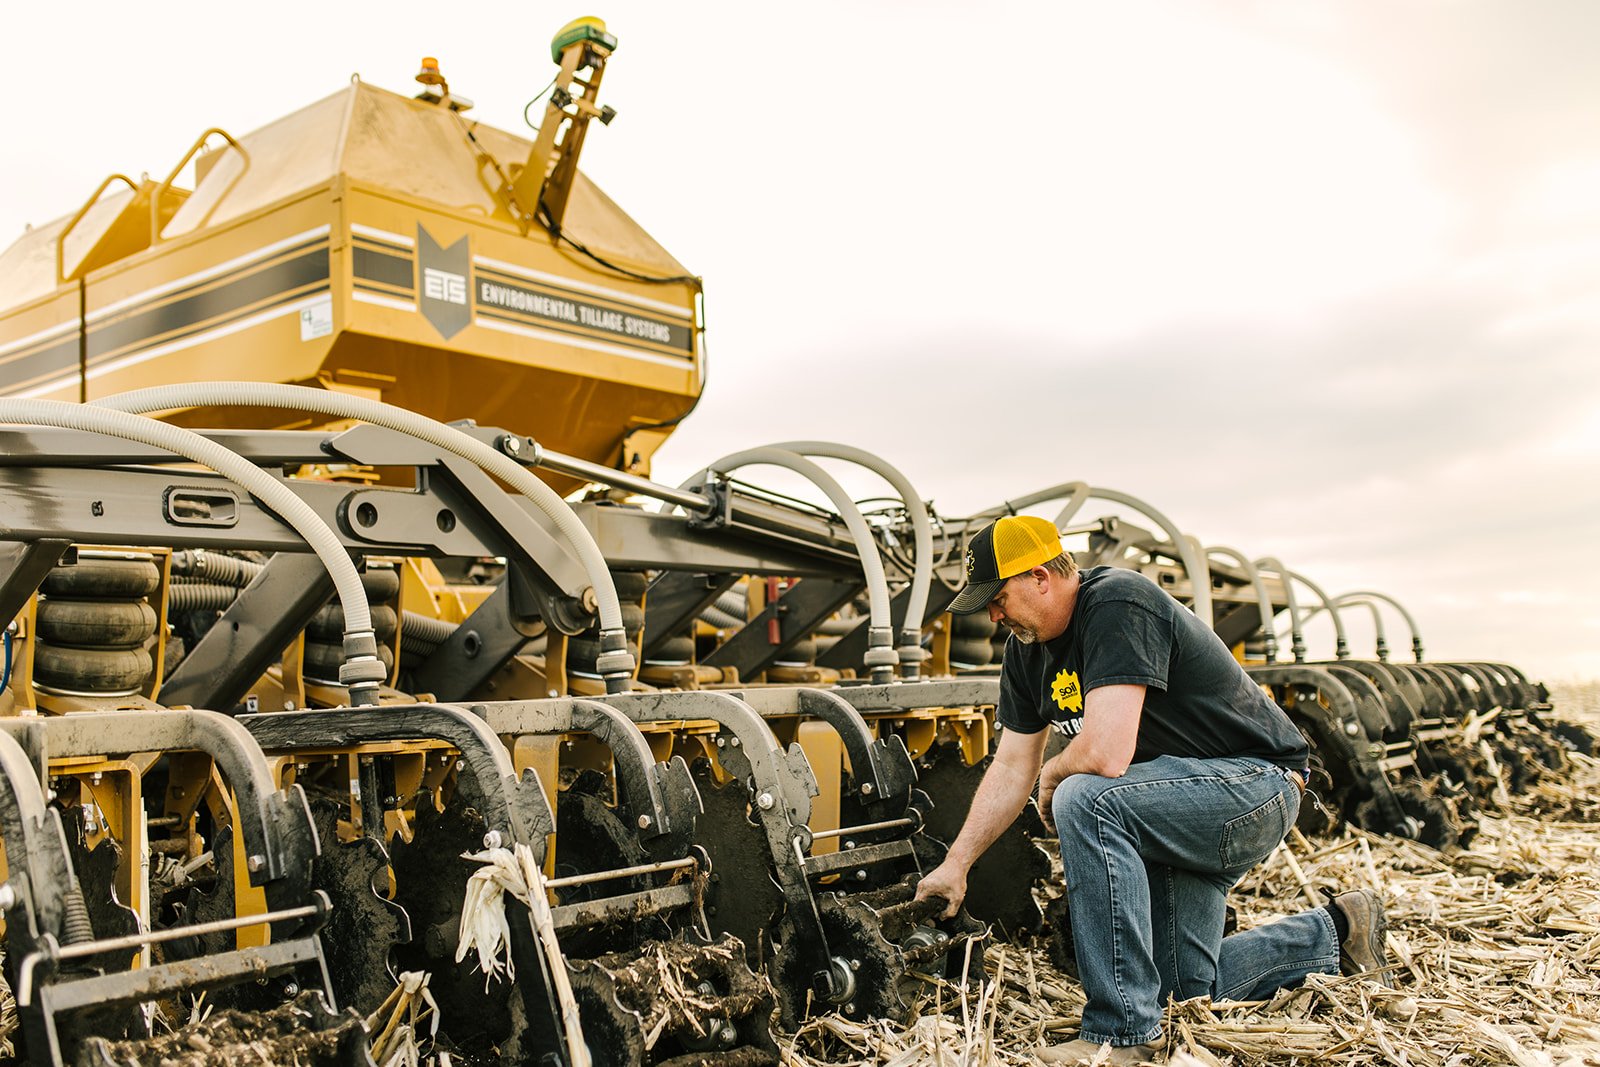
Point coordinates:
[[1411, 623], [361, 671], [1194, 563], [1354, 600], [1263, 598], [1297, 635], [1341, 647], [880, 657], [1072, 492], [615, 662], [911, 652], [1077, 493], [1382, 641]]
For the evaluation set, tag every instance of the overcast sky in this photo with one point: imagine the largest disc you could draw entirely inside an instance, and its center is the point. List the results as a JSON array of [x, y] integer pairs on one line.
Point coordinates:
[[1318, 279]]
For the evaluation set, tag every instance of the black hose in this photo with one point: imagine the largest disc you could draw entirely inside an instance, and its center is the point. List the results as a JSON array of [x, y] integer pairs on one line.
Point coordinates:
[[721, 619], [214, 567], [425, 629], [200, 596]]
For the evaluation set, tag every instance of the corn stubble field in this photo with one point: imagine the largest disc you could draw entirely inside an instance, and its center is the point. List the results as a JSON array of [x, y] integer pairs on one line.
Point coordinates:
[[1496, 946], [1497, 949]]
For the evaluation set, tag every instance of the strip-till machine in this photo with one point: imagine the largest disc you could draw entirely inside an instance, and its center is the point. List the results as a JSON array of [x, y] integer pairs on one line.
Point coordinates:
[[295, 671], [714, 849]]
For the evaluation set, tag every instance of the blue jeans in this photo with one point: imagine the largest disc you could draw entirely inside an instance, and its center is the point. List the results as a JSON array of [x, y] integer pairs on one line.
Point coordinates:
[[1149, 860]]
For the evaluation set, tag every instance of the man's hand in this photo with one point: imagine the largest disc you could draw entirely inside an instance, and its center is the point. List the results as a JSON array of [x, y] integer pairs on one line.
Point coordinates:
[[1000, 798], [947, 881], [1050, 776]]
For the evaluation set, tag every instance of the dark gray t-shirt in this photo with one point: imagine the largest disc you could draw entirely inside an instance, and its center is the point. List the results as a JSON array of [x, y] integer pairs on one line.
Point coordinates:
[[1126, 630]]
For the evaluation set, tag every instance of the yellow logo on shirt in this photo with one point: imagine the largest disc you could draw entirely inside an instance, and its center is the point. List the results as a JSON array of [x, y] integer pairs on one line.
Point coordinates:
[[1068, 696]]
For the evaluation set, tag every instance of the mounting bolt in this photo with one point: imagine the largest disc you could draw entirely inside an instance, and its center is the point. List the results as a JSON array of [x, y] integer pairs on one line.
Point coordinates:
[[735, 742], [849, 844], [728, 1035], [866, 789], [722, 742], [1352, 729], [461, 764], [291, 989], [288, 705], [511, 444], [940, 935], [645, 822], [255, 863], [8, 897], [492, 839], [764, 801], [855, 965], [850, 1008], [861, 876]]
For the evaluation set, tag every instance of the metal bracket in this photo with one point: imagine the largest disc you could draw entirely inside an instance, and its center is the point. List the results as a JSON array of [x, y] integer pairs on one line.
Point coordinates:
[[42, 997], [659, 798], [275, 824], [24, 566], [474, 651], [1369, 702], [909, 696], [251, 634], [38, 864], [675, 599], [516, 809], [719, 509], [1398, 692], [797, 611], [884, 773], [848, 650]]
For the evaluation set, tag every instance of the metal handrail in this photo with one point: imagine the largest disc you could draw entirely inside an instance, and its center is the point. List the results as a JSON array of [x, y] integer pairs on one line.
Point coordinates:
[[94, 198], [160, 190]]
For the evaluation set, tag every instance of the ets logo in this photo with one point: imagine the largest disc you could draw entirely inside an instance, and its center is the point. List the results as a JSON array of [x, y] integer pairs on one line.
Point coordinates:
[[443, 290], [443, 285]]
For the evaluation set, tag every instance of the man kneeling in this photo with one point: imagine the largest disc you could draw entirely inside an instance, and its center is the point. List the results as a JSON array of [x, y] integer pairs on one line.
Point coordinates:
[[1179, 776]]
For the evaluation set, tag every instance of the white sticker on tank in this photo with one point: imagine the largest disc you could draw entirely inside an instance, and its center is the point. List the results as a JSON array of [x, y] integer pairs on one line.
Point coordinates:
[[316, 320]]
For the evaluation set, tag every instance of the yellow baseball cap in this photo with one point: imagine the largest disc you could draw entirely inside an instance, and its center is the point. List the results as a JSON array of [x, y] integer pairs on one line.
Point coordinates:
[[1004, 549]]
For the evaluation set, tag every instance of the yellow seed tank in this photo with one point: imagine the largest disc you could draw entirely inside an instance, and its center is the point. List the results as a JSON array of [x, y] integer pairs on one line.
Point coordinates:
[[372, 243]]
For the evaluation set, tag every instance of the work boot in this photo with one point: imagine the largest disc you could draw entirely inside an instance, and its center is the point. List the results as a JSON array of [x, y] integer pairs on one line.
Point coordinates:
[[1363, 951], [1080, 1051]]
